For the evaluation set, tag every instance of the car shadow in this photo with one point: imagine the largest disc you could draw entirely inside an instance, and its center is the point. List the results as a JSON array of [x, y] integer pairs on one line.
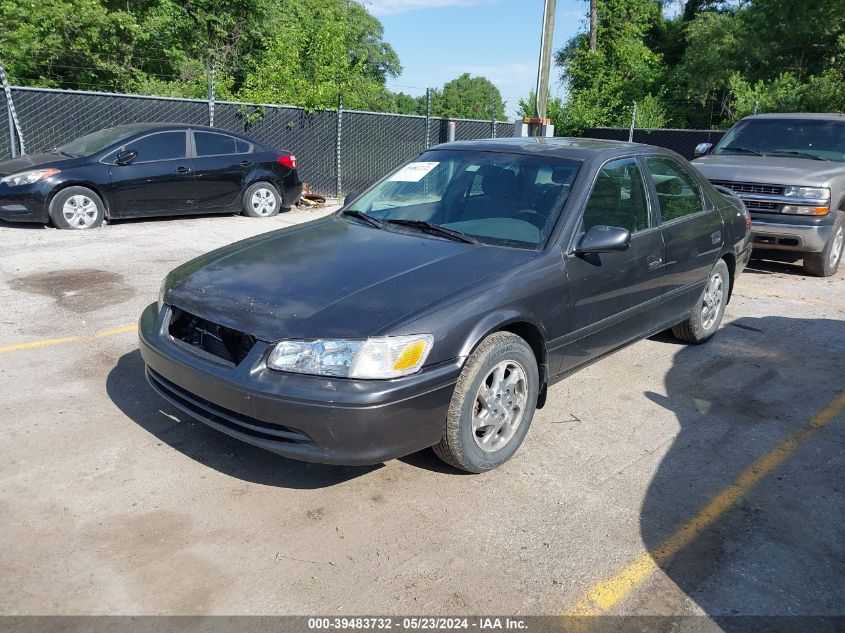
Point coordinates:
[[4, 224], [773, 267], [128, 390], [780, 549]]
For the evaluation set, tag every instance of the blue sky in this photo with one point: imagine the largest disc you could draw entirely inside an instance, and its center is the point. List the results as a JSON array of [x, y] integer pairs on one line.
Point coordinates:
[[437, 40]]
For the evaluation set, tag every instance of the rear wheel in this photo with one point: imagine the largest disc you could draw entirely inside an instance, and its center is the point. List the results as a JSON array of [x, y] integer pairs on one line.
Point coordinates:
[[492, 406], [706, 315], [77, 208], [826, 263], [262, 200]]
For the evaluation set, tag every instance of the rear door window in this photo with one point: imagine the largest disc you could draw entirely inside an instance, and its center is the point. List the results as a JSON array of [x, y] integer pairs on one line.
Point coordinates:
[[211, 144], [677, 191]]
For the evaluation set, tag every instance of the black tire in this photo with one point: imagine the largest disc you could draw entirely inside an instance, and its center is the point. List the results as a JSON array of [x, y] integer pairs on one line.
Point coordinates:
[[253, 208], [458, 445], [694, 329], [89, 209], [826, 263]]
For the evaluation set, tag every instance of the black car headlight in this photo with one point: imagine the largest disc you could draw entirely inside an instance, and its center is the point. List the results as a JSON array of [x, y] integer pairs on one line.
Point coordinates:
[[28, 177], [376, 357]]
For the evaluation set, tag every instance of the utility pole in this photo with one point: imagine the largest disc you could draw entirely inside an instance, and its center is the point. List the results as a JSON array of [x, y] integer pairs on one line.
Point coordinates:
[[594, 24], [541, 97], [539, 125]]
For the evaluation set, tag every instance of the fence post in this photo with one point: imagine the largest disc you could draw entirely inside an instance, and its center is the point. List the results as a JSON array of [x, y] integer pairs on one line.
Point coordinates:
[[14, 123], [209, 73], [493, 125], [339, 182], [427, 117], [13, 141], [633, 122]]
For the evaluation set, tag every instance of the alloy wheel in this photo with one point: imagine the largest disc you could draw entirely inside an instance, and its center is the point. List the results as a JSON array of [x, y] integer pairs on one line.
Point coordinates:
[[499, 406], [713, 295], [836, 248]]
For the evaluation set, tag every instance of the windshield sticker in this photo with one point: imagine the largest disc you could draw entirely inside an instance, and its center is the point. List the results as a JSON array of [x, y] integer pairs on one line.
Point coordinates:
[[413, 172]]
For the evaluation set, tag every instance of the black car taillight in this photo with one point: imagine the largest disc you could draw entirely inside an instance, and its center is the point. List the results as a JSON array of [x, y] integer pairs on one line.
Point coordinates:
[[288, 161]]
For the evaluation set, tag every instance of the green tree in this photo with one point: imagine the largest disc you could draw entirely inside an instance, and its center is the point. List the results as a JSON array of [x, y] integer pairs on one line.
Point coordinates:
[[67, 43], [320, 50], [469, 98], [603, 84], [302, 51]]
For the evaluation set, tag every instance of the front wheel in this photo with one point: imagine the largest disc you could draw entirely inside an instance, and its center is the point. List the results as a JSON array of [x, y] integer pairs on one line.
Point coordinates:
[[77, 208], [706, 314], [826, 263], [262, 200], [492, 406]]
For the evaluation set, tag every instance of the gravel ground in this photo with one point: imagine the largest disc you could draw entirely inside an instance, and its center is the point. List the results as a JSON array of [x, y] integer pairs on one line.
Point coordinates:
[[113, 502]]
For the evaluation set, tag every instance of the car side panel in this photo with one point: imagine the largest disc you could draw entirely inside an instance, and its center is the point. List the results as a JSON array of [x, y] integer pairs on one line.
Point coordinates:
[[164, 187], [614, 298], [220, 180]]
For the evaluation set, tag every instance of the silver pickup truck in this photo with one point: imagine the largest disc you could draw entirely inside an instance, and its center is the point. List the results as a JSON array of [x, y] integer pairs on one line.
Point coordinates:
[[789, 169]]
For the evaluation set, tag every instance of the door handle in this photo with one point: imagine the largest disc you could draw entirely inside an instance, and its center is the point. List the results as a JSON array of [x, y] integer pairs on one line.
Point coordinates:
[[182, 170], [246, 163], [654, 262]]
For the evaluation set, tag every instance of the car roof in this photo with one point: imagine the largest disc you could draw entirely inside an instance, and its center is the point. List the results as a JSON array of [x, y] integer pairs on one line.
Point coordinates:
[[814, 116], [558, 147], [144, 127]]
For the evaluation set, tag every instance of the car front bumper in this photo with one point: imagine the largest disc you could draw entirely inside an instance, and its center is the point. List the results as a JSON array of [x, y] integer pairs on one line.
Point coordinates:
[[804, 234], [312, 418], [24, 203]]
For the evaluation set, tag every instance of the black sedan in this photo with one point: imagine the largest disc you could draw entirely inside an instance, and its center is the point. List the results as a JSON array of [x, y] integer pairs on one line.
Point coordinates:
[[144, 170], [436, 308]]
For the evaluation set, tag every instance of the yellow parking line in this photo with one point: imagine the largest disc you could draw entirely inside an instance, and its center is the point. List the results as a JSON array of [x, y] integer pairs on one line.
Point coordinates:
[[604, 595], [68, 339]]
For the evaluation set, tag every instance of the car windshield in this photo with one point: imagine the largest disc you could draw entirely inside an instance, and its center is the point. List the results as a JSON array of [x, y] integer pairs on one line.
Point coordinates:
[[90, 144], [810, 139], [492, 197]]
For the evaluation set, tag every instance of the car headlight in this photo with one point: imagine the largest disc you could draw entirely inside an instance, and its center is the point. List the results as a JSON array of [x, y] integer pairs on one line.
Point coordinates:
[[809, 193], [28, 177], [377, 357]]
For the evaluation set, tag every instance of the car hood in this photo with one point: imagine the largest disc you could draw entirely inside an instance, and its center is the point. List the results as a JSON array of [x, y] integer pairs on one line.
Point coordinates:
[[768, 169], [330, 278], [31, 161]]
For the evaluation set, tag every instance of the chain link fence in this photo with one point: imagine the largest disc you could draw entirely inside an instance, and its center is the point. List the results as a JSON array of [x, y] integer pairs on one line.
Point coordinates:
[[681, 141], [336, 151]]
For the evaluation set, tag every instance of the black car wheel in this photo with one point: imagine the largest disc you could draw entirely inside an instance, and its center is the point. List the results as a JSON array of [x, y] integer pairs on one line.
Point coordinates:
[[706, 315], [826, 263], [262, 200], [492, 406], [77, 208]]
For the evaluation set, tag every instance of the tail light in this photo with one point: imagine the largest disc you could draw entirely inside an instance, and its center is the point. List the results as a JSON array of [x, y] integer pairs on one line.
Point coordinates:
[[287, 161]]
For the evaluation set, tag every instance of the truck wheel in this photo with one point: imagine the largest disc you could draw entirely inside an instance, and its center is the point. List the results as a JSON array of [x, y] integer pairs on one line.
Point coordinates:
[[706, 315], [76, 208], [492, 406], [826, 263]]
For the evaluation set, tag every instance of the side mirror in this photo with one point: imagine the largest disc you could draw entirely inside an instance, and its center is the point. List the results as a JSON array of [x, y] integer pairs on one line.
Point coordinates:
[[350, 196], [124, 158], [703, 148], [604, 239]]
